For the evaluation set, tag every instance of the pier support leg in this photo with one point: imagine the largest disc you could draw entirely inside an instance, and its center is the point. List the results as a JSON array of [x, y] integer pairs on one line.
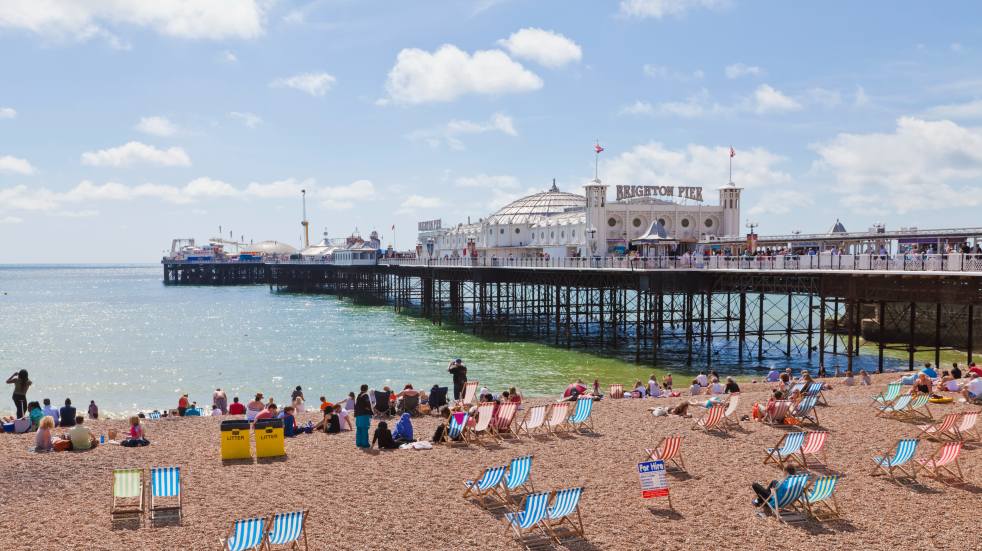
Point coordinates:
[[821, 333], [937, 337], [881, 346], [911, 348], [971, 336]]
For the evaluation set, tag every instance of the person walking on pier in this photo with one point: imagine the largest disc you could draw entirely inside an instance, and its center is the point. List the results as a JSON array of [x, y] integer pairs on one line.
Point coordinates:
[[459, 372], [21, 384], [363, 418]]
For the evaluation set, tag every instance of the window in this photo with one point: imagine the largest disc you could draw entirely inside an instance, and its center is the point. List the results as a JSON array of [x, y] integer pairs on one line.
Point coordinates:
[[518, 230], [661, 222], [502, 231], [542, 235], [685, 222], [612, 222], [562, 235], [552, 235], [709, 222], [573, 234], [636, 222]]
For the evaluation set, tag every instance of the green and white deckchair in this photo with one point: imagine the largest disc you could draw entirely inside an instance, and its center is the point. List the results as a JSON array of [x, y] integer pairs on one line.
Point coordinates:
[[127, 496]]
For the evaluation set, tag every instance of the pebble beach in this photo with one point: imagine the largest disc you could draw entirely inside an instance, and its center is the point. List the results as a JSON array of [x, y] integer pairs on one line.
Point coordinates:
[[413, 498]]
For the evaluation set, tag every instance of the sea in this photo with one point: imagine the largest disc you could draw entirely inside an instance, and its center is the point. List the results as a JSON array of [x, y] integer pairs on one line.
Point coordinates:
[[117, 335]]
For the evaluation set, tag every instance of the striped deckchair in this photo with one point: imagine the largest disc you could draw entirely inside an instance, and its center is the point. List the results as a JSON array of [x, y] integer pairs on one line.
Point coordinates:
[[730, 415], [895, 408], [531, 514], [486, 484], [470, 391], [805, 410], [249, 533], [789, 445], [519, 475], [127, 496], [534, 417], [888, 396], [556, 418], [712, 420], [967, 429], [668, 449], [485, 411], [165, 483], [502, 423], [815, 389], [787, 495], [616, 391], [565, 504], [780, 412], [918, 407], [820, 500], [798, 387], [814, 445], [941, 461], [455, 431], [947, 428], [153, 415], [286, 530], [581, 418], [903, 452]]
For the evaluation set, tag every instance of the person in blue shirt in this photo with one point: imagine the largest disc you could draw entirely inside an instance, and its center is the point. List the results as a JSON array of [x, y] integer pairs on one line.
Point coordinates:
[[289, 422], [773, 376], [67, 414], [929, 371]]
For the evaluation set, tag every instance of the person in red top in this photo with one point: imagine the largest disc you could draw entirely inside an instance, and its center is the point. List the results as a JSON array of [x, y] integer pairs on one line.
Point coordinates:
[[268, 413], [237, 408], [182, 405], [975, 369]]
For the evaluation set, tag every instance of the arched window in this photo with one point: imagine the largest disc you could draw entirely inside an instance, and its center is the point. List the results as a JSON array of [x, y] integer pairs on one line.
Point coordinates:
[[661, 222], [685, 222], [709, 222], [612, 222], [636, 222]]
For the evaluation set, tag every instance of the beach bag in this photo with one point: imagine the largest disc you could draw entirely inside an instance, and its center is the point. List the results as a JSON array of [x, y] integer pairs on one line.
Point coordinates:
[[791, 421], [62, 445], [755, 412], [660, 412]]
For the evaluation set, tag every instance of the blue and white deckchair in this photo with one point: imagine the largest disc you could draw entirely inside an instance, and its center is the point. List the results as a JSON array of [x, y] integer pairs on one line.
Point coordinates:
[[564, 505], [486, 484], [787, 493], [820, 499], [519, 475], [153, 415], [903, 452], [805, 410], [815, 389], [581, 415], [245, 534], [896, 407], [165, 482], [531, 515], [789, 445], [798, 387], [287, 529]]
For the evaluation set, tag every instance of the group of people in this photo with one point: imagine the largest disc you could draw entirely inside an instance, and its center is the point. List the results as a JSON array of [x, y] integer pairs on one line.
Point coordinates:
[[967, 383], [28, 415]]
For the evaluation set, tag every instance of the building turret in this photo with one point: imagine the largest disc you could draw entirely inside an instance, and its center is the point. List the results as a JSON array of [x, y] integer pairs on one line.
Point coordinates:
[[596, 218], [729, 200]]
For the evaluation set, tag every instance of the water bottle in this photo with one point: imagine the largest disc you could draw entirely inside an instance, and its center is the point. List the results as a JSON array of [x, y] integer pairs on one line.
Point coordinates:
[[102, 438]]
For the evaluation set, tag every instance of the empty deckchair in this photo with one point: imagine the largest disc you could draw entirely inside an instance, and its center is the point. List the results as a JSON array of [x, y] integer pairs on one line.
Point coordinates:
[[820, 500], [616, 391], [286, 530], [889, 395], [249, 533], [556, 417], [485, 411], [712, 420], [668, 449], [902, 454], [789, 445], [780, 412], [805, 410], [454, 433], [947, 428], [565, 504], [581, 418], [814, 445], [815, 389], [165, 493], [486, 484], [530, 515], [895, 408], [730, 415], [787, 495], [153, 415], [519, 475], [534, 417], [918, 407], [127, 496], [967, 429], [382, 404], [503, 420], [941, 461], [470, 391]]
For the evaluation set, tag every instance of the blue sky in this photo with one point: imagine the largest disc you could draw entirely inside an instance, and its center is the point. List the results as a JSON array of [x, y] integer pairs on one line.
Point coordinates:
[[126, 124]]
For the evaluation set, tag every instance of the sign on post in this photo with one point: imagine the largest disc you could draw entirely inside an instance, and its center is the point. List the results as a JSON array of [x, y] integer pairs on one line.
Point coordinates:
[[653, 481]]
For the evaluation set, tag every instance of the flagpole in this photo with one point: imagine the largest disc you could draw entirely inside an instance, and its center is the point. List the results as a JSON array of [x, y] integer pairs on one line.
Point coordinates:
[[596, 162], [731, 164]]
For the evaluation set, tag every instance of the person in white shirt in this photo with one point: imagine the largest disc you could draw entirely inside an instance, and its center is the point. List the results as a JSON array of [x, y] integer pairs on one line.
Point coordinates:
[[695, 389], [702, 379], [216, 411], [973, 390], [52, 411], [715, 388], [653, 389]]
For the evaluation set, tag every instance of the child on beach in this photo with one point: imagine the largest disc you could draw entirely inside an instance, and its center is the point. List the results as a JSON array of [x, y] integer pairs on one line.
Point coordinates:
[[136, 435], [383, 437], [43, 441]]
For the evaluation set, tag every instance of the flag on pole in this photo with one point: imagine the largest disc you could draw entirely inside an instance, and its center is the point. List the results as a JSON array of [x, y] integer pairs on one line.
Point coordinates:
[[732, 152], [393, 227], [597, 148]]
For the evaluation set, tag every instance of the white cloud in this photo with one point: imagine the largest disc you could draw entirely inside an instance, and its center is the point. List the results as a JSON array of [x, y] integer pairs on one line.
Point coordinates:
[[781, 201], [315, 84], [345, 197], [414, 202], [7, 112], [83, 20], [767, 99], [957, 111], [449, 133], [920, 165], [738, 70], [15, 165], [156, 126], [638, 108], [666, 73], [696, 106], [10, 220], [135, 153], [251, 120], [665, 8], [279, 189], [695, 165], [547, 48], [862, 100], [294, 17], [487, 182], [228, 56], [419, 76], [824, 97]]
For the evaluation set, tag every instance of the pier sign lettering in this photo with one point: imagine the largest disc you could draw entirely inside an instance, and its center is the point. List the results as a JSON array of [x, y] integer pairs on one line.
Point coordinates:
[[684, 192], [430, 225], [653, 481]]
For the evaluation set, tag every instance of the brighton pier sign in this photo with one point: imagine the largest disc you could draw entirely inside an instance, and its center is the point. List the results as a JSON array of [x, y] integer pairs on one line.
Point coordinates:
[[684, 192]]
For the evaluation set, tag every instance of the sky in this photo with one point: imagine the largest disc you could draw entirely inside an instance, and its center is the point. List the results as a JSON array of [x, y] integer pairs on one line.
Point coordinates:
[[125, 124]]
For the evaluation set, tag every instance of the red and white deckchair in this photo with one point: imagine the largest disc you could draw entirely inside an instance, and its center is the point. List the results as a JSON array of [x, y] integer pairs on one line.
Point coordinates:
[[730, 415], [776, 417], [814, 444], [967, 429], [535, 416], [945, 429], [669, 449], [942, 461], [503, 420], [616, 391], [482, 423], [470, 391], [713, 419], [556, 418]]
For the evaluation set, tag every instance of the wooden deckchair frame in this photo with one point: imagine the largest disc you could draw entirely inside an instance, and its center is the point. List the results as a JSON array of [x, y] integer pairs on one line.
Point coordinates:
[[937, 470], [655, 454], [122, 508], [523, 426]]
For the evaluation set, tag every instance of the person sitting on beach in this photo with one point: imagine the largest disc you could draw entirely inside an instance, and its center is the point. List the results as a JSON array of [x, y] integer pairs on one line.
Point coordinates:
[[776, 396], [36, 414], [764, 492], [236, 408], [956, 372], [667, 381], [849, 380], [514, 396], [656, 391], [136, 436], [216, 411], [255, 407], [93, 410], [702, 380], [43, 441], [331, 423], [731, 386], [442, 427], [268, 413], [289, 422], [972, 368], [714, 388], [596, 387], [50, 410], [81, 437], [183, 403], [948, 383], [929, 371], [784, 381], [67, 414], [695, 388], [865, 378], [922, 385], [404, 430], [383, 437], [773, 376], [574, 390], [973, 389], [652, 384], [220, 400]]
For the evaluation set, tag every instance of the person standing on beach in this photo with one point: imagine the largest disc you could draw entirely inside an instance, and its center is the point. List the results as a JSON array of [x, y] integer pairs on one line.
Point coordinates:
[[220, 400], [93, 410], [363, 417], [182, 404], [21, 384], [459, 372]]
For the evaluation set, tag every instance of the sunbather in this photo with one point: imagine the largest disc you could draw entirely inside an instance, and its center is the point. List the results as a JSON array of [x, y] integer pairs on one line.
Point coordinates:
[[731, 386], [383, 437], [331, 423], [763, 492], [268, 413], [922, 385], [695, 389], [137, 437], [973, 390], [81, 437], [43, 441], [866, 380]]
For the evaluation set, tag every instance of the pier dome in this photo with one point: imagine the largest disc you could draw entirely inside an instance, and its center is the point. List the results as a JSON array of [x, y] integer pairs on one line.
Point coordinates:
[[532, 208], [269, 247]]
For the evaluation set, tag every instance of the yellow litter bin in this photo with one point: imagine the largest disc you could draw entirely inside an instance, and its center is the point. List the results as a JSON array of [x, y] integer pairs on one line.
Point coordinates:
[[235, 439], [269, 438]]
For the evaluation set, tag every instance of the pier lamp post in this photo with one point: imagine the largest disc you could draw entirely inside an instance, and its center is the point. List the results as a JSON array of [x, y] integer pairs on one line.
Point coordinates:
[[752, 237], [591, 239]]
